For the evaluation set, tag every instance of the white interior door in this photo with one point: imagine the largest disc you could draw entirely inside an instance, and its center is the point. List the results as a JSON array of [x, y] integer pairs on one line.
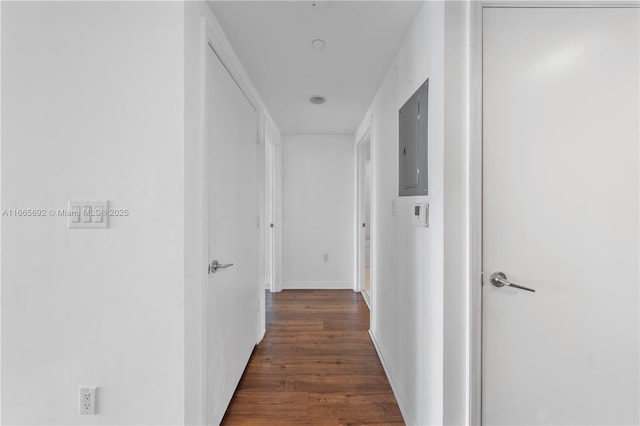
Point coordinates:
[[560, 215], [231, 317]]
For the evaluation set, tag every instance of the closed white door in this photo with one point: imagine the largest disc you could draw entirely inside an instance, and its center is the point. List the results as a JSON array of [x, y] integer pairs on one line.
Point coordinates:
[[231, 293], [560, 215]]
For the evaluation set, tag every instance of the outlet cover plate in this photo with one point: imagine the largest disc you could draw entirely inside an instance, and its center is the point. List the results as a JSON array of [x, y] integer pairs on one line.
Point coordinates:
[[88, 400]]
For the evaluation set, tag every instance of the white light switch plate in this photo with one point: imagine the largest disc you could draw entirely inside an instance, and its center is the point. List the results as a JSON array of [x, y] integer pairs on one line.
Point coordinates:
[[88, 213]]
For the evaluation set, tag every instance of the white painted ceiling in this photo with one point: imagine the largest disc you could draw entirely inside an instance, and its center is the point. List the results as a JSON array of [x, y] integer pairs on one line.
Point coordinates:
[[273, 41]]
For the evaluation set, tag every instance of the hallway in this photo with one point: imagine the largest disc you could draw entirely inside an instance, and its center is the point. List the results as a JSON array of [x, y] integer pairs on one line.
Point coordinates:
[[316, 365]]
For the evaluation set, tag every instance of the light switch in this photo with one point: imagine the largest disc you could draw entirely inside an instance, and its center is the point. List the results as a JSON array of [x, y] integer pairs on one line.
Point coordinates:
[[74, 216], [99, 216], [88, 214]]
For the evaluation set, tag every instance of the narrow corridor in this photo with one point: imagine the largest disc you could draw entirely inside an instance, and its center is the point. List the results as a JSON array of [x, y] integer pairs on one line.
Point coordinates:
[[316, 365]]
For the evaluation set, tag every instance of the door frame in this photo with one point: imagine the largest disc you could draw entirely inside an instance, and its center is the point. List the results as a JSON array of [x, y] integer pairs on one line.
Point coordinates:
[[271, 137], [359, 201], [475, 183], [269, 216]]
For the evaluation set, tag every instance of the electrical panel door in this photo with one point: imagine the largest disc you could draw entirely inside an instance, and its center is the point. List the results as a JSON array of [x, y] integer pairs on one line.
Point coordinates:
[[413, 148]]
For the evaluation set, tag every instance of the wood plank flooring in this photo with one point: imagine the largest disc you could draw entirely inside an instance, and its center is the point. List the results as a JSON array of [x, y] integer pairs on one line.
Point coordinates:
[[315, 366]]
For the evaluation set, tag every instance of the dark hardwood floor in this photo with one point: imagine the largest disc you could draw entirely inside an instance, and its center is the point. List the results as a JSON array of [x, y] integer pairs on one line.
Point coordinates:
[[316, 365]]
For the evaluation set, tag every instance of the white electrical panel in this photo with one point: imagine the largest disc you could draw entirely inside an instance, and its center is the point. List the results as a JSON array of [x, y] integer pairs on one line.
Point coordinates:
[[420, 215], [88, 214]]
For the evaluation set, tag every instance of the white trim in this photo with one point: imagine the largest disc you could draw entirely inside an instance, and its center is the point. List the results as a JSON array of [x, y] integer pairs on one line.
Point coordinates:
[[221, 46], [277, 233], [318, 285], [475, 217], [204, 255], [269, 217], [365, 127], [273, 136], [271, 130], [401, 398], [360, 252], [0, 225], [564, 4], [363, 134], [367, 300]]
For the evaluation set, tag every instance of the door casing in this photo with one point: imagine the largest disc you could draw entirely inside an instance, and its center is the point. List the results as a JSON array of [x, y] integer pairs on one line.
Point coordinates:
[[474, 183], [269, 213], [360, 249]]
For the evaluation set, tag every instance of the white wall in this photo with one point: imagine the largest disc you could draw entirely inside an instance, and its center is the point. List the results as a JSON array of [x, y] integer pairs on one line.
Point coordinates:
[[318, 211], [104, 100], [457, 297], [92, 107], [195, 245], [407, 323]]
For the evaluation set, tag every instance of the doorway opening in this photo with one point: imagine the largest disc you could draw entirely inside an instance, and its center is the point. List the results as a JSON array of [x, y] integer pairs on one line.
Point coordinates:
[[364, 242], [269, 209]]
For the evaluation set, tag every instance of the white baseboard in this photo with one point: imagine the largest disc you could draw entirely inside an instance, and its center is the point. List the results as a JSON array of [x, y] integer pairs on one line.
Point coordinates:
[[317, 285], [366, 298], [397, 391], [261, 336]]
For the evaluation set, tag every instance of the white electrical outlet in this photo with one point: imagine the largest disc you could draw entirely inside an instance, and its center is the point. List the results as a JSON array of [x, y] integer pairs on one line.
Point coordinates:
[[88, 400]]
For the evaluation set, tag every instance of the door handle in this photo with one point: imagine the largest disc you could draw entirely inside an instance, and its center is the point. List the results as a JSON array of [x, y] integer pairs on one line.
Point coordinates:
[[499, 279], [215, 265]]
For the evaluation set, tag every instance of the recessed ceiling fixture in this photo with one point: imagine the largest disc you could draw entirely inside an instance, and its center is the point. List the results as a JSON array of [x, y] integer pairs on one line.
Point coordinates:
[[318, 44], [317, 100], [319, 4]]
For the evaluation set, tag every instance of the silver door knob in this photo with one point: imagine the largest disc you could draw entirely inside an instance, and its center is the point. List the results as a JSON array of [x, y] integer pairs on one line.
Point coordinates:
[[215, 265], [499, 279]]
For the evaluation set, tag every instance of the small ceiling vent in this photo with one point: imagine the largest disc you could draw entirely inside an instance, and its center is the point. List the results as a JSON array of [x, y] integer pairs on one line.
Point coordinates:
[[317, 100]]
